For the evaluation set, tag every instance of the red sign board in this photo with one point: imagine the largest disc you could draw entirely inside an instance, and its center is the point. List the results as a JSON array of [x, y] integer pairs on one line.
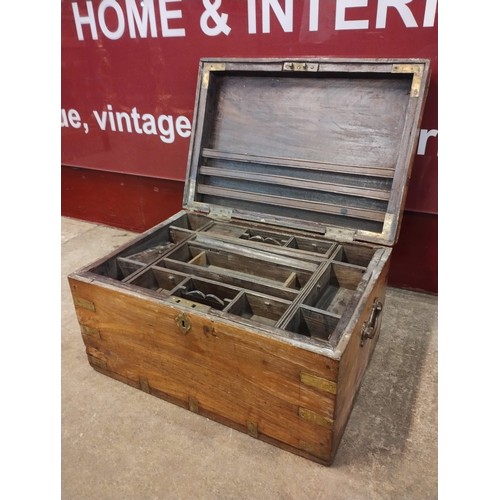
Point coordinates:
[[129, 70]]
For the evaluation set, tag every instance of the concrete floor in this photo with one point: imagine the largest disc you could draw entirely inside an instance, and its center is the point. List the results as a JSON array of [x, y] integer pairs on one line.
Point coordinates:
[[121, 443]]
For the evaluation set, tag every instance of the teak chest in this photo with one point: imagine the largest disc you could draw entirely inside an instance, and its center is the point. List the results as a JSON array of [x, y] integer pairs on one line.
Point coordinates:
[[260, 303]]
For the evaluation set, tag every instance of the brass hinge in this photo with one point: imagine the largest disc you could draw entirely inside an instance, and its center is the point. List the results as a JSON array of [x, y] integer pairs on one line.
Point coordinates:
[[214, 212], [221, 213], [340, 235], [197, 207], [417, 70], [300, 66]]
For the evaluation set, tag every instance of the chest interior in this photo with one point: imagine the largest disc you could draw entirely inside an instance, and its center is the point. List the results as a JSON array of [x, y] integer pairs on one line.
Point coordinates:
[[296, 177], [286, 281]]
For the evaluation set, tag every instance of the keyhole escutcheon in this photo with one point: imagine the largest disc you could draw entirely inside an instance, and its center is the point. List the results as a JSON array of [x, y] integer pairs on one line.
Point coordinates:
[[183, 323]]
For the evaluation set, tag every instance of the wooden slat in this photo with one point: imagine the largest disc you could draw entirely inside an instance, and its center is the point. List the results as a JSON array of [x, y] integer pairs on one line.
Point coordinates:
[[252, 285], [307, 184], [314, 206], [355, 66], [387, 172]]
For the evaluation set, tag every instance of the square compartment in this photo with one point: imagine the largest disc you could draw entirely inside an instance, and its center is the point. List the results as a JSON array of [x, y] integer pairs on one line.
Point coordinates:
[[310, 245], [193, 222], [259, 308], [354, 254], [126, 266], [312, 323], [335, 287], [140, 253], [225, 230]]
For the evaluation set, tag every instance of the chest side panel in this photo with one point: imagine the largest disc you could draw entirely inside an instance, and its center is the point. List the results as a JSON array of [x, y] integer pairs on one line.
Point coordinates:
[[357, 353], [274, 391]]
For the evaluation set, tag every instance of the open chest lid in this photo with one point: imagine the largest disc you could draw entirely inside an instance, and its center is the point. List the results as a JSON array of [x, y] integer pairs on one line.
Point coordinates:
[[324, 145]]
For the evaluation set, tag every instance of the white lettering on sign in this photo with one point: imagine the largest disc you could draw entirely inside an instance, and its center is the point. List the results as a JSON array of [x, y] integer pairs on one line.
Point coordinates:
[[423, 138], [340, 21], [285, 17], [71, 119], [106, 19], [252, 17], [80, 20], [141, 20], [313, 15], [165, 126], [402, 8], [430, 13], [115, 19], [166, 15], [219, 21], [101, 15]]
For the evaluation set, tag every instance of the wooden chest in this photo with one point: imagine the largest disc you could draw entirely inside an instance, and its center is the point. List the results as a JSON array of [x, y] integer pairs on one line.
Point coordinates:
[[260, 303]]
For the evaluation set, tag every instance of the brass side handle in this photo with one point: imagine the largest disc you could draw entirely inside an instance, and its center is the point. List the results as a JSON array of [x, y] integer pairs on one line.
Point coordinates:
[[370, 327]]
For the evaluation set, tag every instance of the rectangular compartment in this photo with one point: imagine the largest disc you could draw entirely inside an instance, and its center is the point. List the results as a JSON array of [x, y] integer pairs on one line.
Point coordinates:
[[281, 242], [248, 283], [260, 309], [121, 264], [313, 323], [193, 222], [311, 245], [126, 266], [152, 253], [205, 292], [334, 288], [225, 230], [158, 280], [354, 254], [272, 271], [265, 237]]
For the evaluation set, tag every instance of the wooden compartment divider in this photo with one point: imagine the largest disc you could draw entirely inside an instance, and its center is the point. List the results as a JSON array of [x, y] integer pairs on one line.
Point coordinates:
[[289, 245], [128, 266], [259, 308], [248, 283], [312, 322], [260, 285], [158, 281], [217, 265]]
